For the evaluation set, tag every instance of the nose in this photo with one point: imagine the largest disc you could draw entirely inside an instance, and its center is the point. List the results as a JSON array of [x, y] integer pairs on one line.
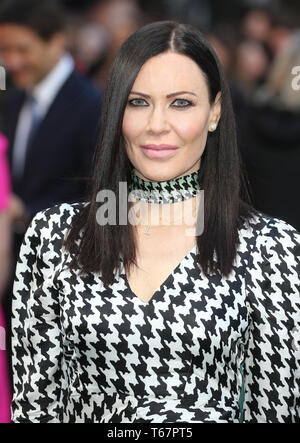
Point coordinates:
[[158, 121]]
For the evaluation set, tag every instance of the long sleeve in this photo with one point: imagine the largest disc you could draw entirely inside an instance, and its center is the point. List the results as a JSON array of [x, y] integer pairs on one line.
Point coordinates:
[[39, 369], [272, 353]]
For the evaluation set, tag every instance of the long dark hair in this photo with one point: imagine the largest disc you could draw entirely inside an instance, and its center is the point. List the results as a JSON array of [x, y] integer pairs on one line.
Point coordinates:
[[226, 203]]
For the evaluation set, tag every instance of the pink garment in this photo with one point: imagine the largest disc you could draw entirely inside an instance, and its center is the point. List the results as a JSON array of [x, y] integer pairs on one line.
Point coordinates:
[[4, 198], [4, 176]]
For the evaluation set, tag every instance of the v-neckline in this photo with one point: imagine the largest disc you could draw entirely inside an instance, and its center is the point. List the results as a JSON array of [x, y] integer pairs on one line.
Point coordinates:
[[167, 279]]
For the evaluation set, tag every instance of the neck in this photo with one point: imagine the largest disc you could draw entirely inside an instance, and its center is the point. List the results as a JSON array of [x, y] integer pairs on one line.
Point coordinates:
[[173, 214], [173, 202], [169, 191]]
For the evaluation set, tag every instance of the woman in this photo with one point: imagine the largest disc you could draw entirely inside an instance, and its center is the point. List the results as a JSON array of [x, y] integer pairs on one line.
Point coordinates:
[[119, 321], [4, 268]]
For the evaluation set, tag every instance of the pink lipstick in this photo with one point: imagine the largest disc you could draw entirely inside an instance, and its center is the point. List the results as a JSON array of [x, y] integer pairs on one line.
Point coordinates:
[[159, 151]]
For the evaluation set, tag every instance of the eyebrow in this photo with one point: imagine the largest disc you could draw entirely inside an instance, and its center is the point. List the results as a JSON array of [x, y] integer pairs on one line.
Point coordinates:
[[168, 96]]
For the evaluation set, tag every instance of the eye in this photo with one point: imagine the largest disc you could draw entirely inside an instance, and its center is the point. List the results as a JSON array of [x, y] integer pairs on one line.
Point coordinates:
[[183, 103], [136, 102]]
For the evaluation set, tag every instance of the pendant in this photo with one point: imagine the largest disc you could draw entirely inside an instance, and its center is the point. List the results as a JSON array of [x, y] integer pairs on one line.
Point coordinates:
[[147, 230]]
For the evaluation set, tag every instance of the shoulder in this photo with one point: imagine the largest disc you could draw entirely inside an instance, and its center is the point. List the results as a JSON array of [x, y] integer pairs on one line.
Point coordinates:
[[272, 248], [84, 90], [58, 216], [263, 231], [53, 223], [13, 96]]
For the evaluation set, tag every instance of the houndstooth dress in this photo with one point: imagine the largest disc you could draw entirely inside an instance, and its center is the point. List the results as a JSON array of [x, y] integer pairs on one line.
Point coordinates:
[[83, 353]]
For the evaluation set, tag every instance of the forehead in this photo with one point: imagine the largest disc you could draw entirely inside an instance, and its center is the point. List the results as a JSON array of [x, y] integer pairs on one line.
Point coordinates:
[[169, 72]]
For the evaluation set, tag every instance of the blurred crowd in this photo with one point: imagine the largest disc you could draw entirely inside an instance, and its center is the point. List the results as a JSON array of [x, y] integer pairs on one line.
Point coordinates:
[[57, 55]]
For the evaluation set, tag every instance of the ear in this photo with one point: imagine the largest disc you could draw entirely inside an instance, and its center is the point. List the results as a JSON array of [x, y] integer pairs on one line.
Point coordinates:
[[215, 113]]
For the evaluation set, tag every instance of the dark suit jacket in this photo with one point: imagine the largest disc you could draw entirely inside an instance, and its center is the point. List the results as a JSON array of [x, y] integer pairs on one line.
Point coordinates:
[[61, 152]]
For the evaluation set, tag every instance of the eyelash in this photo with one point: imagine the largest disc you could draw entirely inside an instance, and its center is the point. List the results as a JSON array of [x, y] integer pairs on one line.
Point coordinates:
[[189, 103]]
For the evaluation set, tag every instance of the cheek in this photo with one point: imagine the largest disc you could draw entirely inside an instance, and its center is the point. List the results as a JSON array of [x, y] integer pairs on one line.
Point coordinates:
[[34, 61], [131, 127], [192, 129]]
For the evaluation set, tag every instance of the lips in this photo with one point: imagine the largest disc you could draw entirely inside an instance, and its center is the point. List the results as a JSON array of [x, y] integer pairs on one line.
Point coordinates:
[[159, 151]]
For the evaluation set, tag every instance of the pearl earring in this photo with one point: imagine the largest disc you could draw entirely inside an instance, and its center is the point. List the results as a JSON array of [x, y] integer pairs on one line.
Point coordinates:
[[213, 126]]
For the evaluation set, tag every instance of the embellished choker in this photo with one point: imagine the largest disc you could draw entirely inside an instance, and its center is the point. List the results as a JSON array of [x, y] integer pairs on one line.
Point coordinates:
[[169, 191]]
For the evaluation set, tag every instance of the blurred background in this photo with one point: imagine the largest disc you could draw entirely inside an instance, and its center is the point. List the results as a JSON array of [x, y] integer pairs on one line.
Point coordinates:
[[57, 57], [257, 42]]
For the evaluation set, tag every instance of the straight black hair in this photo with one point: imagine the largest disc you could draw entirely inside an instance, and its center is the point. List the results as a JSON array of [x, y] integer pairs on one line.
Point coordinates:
[[44, 17], [226, 203]]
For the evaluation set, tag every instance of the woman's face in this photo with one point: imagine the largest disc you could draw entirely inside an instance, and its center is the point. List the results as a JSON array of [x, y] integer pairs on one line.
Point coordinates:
[[168, 105]]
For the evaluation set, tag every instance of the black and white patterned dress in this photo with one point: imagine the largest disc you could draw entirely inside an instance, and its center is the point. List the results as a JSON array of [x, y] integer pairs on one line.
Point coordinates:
[[82, 353]]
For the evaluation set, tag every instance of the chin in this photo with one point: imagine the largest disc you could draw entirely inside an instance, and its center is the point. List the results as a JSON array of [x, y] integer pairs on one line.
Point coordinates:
[[23, 84], [163, 174]]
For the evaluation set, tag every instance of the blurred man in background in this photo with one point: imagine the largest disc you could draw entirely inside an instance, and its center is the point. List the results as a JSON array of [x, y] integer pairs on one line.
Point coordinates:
[[51, 116], [51, 120]]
